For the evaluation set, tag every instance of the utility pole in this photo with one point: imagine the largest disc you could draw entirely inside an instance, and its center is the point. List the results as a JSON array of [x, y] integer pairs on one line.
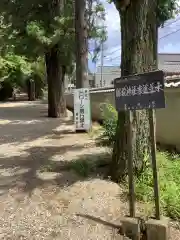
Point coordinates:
[[102, 82], [102, 63], [95, 63], [81, 44]]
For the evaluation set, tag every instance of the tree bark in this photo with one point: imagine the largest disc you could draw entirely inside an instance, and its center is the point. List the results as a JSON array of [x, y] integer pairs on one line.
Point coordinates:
[[55, 80], [81, 44], [54, 69], [31, 90], [138, 41]]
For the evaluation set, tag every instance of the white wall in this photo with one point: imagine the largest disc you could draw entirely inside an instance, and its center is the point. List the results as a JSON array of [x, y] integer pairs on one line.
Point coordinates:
[[109, 73], [167, 119]]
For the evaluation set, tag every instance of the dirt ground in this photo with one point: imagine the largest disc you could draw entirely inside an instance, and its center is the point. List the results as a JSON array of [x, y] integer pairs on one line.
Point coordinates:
[[52, 205]]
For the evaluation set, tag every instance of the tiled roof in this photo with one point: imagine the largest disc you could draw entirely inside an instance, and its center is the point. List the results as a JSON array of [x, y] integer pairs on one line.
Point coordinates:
[[172, 79], [170, 73]]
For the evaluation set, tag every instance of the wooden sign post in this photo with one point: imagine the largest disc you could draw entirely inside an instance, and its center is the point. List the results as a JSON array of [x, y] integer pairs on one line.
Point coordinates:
[[130, 165], [138, 92], [153, 156]]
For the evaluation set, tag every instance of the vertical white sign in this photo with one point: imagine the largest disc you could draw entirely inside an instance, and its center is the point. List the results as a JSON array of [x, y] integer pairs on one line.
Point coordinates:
[[82, 112]]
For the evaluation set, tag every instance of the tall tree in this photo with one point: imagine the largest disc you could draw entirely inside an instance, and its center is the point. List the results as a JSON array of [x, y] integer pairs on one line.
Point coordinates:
[[87, 19], [43, 28], [81, 44], [139, 23]]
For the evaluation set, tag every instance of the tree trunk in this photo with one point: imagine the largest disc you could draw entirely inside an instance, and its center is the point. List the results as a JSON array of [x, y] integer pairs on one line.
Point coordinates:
[[55, 80], [81, 44], [31, 90], [138, 41]]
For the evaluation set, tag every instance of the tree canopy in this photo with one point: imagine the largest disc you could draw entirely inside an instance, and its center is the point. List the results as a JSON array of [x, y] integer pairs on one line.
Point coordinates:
[[166, 9], [29, 29], [32, 27]]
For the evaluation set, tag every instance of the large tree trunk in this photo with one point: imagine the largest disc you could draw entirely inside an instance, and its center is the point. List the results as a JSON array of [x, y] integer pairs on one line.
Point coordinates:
[[81, 44], [138, 41], [55, 80], [54, 69]]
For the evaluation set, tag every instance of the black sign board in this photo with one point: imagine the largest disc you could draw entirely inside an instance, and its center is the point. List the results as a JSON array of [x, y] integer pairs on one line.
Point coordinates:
[[140, 91]]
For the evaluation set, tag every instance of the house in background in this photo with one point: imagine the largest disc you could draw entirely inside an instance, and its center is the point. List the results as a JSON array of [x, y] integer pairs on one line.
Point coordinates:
[[168, 62], [71, 78]]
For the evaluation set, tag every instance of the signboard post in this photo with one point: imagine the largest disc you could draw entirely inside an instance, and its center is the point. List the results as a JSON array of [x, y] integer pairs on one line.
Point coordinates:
[[130, 165], [82, 113], [153, 156], [138, 92]]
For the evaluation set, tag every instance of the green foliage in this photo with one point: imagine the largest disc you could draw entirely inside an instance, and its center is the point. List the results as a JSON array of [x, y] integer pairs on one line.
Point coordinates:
[[166, 10], [38, 69], [169, 183], [168, 170], [109, 116], [32, 27], [28, 29], [84, 167], [14, 68], [14, 72]]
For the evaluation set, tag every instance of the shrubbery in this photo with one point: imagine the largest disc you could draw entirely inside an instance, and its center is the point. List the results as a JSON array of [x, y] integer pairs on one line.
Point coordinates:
[[107, 136], [169, 183], [168, 170]]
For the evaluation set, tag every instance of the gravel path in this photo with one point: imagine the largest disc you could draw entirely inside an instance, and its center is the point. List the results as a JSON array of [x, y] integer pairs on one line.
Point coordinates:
[[57, 205]]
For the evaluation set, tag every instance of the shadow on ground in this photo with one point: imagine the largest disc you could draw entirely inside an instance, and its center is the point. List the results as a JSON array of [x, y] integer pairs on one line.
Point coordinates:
[[38, 170], [118, 227], [32, 165], [27, 121]]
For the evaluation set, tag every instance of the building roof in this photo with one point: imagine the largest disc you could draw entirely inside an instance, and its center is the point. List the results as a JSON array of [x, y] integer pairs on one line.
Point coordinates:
[[172, 79]]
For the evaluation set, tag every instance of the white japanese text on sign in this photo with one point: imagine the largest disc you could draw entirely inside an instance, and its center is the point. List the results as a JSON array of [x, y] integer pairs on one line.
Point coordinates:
[[139, 90]]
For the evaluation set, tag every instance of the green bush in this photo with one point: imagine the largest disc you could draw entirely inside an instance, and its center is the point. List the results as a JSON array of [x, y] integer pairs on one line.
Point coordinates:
[[168, 170], [109, 115], [169, 184]]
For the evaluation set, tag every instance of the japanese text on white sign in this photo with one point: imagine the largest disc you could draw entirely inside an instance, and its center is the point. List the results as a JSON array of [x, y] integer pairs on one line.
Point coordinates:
[[82, 109]]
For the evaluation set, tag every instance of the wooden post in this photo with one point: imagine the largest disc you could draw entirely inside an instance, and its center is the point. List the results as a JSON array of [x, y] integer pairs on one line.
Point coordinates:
[[152, 96], [130, 165], [154, 166]]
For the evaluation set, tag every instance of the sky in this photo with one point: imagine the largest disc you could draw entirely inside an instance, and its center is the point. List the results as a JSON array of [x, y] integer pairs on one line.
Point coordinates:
[[169, 38]]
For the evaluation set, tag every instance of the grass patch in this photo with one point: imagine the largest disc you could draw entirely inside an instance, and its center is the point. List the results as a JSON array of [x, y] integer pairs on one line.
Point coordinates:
[[49, 167], [169, 183], [95, 131], [84, 167]]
